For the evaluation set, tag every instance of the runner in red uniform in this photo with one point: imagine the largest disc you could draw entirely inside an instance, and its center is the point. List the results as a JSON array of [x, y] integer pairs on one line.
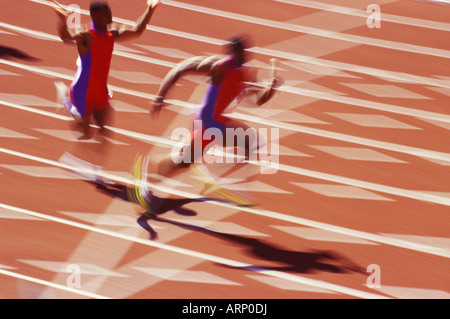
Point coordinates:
[[89, 92], [229, 78], [88, 96]]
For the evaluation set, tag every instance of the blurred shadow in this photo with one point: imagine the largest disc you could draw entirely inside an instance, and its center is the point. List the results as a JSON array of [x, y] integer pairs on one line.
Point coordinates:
[[158, 205], [293, 261], [7, 52], [290, 260]]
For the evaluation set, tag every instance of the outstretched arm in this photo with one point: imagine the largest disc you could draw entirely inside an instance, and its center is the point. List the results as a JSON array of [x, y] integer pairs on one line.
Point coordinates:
[[263, 95], [82, 39], [199, 65], [268, 92], [127, 32], [64, 32]]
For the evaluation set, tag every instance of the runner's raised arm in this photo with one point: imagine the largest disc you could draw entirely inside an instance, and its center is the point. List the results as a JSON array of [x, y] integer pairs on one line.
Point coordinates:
[[128, 32]]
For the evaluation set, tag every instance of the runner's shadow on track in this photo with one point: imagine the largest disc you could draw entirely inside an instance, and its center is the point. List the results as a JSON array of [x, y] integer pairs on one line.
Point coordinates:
[[291, 260], [159, 205], [7, 52]]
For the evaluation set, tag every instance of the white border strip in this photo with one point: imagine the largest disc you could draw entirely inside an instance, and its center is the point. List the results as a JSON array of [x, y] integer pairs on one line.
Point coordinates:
[[208, 257], [359, 40], [298, 91], [48, 283], [414, 151], [417, 195], [415, 22], [308, 59], [279, 216]]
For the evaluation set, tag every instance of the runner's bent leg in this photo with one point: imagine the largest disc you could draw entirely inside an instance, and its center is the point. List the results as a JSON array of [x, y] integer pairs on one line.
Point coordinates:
[[103, 117], [233, 137], [189, 154]]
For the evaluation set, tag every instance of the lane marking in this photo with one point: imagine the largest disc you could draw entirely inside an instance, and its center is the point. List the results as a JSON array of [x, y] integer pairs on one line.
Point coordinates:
[[279, 216], [294, 90], [360, 40], [343, 66], [305, 172], [204, 256], [312, 60], [51, 284], [162, 30], [116, 51], [414, 151], [428, 24]]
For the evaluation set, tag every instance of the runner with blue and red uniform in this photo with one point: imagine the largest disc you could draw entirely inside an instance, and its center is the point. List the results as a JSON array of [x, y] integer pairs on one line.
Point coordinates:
[[220, 97], [229, 81], [89, 92]]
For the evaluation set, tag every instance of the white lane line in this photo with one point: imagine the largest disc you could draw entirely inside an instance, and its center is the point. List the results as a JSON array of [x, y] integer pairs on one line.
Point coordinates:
[[342, 66], [296, 57], [289, 89], [204, 256], [115, 52], [51, 284], [396, 76], [422, 153], [428, 24], [171, 32], [370, 41], [443, 2], [389, 108], [414, 151], [36, 111], [412, 194], [417, 195], [288, 218]]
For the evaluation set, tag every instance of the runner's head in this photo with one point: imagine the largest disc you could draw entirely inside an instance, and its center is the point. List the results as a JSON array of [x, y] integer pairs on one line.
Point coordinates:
[[236, 45], [100, 14]]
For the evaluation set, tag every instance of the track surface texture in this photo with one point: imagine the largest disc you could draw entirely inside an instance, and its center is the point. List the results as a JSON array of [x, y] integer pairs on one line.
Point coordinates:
[[359, 205]]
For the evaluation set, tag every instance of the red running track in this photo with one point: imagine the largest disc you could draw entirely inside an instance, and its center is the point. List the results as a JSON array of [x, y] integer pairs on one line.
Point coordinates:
[[364, 158]]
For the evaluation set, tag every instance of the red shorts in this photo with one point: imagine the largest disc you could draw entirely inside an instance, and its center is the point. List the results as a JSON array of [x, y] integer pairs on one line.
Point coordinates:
[[198, 139], [95, 99]]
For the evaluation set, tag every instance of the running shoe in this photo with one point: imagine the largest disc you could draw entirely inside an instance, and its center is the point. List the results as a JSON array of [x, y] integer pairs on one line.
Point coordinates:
[[137, 191], [220, 192], [63, 99]]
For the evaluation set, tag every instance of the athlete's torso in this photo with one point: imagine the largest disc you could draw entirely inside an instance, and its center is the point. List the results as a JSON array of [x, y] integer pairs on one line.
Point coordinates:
[[101, 53], [96, 63], [219, 97], [232, 85]]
